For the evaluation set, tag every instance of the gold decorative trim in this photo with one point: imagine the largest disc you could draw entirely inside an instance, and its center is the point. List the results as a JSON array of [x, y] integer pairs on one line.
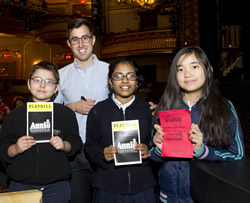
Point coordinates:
[[13, 56], [60, 61], [25, 71], [161, 41], [189, 23], [12, 53]]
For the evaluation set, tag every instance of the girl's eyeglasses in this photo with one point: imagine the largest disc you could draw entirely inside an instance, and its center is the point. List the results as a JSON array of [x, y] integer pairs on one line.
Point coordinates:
[[120, 76]]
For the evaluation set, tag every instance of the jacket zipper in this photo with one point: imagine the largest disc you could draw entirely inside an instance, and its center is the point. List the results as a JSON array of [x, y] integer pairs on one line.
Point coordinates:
[[129, 181], [124, 117], [129, 178], [37, 162]]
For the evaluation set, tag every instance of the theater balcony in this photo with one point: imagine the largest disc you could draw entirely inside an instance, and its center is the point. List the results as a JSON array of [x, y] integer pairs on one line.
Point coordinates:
[[139, 43]]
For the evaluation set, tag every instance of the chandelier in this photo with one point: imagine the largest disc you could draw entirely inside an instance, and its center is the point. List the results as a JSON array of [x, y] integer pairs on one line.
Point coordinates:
[[146, 4]]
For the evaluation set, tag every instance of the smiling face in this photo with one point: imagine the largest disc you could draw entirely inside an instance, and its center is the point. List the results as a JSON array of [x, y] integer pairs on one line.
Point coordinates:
[[190, 75], [124, 89], [82, 50], [41, 91]]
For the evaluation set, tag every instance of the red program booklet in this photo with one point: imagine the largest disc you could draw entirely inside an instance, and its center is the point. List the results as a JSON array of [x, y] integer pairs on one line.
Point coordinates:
[[176, 125]]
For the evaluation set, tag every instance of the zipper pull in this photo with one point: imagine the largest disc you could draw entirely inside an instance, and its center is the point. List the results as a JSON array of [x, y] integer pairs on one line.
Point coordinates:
[[189, 105], [123, 110]]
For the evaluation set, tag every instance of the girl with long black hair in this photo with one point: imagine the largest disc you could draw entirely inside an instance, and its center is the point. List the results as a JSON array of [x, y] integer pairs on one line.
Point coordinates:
[[215, 131]]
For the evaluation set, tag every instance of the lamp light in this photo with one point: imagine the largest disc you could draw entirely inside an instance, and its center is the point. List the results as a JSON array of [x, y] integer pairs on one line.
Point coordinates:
[[146, 4], [68, 57]]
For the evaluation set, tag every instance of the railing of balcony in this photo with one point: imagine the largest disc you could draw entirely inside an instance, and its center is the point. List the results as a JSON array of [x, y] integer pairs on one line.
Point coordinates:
[[24, 5], [157, 41]]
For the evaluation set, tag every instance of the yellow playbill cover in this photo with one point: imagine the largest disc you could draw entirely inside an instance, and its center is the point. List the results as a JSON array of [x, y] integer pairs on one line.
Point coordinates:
[[40, 119], [126, 135]]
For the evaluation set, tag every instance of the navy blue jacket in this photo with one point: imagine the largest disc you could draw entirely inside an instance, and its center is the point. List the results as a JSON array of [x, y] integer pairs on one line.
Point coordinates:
[[174, 173], [126, 179]]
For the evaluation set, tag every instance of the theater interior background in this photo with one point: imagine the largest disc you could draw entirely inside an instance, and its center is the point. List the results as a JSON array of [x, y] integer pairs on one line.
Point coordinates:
[[149, 31]]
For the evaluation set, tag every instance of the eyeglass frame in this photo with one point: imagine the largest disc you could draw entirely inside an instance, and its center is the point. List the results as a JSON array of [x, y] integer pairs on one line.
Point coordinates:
[[124, 76], [88, 37], [46, 81]]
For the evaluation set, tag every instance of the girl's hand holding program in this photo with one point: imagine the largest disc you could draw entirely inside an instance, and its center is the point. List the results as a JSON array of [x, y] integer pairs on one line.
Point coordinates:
[[109, 152], [144, 150], [158, 137], [196, 137]]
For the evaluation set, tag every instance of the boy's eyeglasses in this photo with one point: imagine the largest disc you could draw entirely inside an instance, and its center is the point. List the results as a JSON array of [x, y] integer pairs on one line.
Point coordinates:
[[119, 76], [76, 40], [46, 81]]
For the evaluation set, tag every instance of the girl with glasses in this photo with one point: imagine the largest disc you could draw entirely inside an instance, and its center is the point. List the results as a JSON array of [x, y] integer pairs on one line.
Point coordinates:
[[127, 183]]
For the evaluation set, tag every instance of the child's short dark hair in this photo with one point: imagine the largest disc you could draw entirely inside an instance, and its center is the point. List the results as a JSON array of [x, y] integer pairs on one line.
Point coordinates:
[[46, 66]]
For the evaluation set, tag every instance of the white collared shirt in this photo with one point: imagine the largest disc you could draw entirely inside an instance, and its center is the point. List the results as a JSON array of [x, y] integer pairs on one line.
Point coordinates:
[[120, 105]]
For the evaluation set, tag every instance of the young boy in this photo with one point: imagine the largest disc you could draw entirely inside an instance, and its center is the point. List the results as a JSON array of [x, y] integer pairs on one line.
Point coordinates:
[[43, 166]]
